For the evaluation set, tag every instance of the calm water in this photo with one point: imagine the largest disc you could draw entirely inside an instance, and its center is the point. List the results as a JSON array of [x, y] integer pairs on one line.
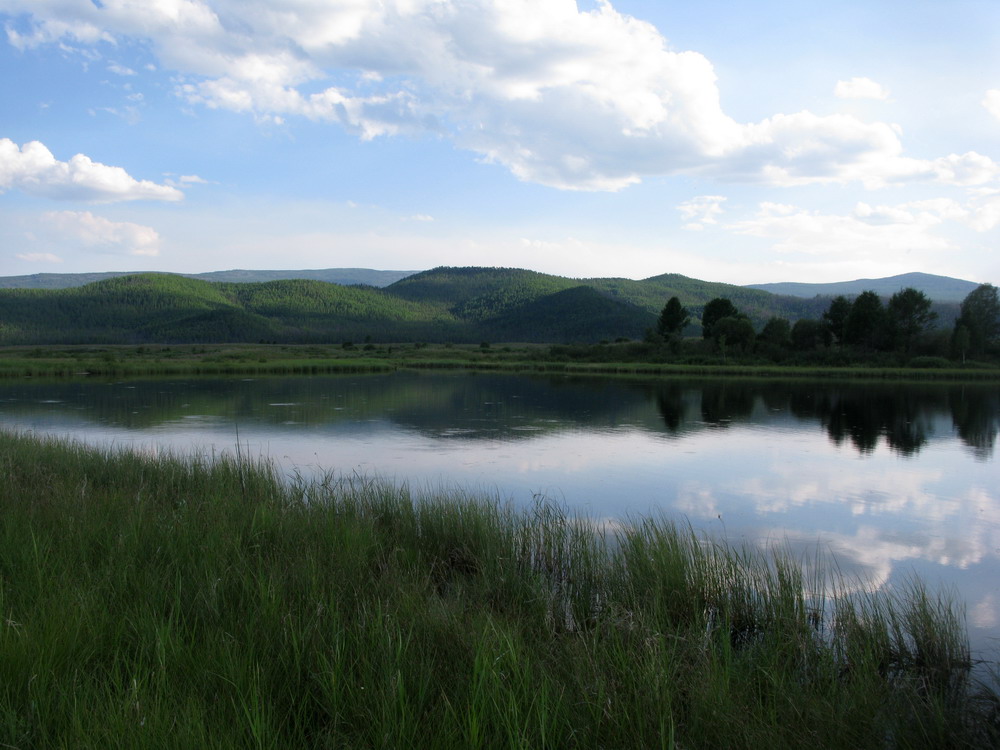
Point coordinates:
[[893, 480]]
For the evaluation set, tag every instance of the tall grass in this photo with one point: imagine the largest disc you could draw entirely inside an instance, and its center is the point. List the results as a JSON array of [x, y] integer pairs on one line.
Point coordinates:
[[180, 602]]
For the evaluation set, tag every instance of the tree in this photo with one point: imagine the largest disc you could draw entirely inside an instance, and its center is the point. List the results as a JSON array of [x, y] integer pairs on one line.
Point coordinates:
[[866, 324], [960, 340], [981, 316], [714, 311], [809, 334], [910, 314], [735, 332], [776, 332], [836, 316], [673, 318]]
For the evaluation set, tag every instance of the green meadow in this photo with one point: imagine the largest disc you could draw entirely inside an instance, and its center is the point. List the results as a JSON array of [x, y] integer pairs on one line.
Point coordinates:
[[64, 361], [166, 601]]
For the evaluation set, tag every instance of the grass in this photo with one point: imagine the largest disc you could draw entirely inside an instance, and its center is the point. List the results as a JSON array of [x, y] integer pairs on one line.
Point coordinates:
[[184, 602], [259, 359]]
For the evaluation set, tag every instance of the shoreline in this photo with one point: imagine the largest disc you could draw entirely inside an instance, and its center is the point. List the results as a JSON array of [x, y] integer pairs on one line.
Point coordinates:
[[83, 361]]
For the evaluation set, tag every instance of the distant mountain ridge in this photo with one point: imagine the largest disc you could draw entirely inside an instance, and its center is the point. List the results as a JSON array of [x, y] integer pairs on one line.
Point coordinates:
[[458, 304], [938, 288], [343, 276]]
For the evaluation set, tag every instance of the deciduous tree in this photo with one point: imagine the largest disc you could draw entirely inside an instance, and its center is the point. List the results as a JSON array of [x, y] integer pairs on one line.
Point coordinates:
[[910, 314], [981, 316], [836, 316], [866, 324], [714, 311]]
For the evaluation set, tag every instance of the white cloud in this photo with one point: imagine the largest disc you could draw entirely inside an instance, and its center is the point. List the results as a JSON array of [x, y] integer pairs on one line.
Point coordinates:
[[888, 234], [701, 210], [883, 237], [34, 170], [185, 180], [860, 88], [992, 102], [96, 233], [120, 70], [588, 100]]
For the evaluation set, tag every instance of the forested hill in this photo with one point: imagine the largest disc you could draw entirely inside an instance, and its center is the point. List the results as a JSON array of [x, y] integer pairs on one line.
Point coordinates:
[[347, 276], [444, 304]]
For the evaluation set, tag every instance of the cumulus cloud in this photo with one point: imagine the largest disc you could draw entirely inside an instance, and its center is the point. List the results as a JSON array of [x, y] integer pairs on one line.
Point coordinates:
[[701, 211], [33, 169], [589, 100], [869, 231], [883, 235], [860, 88], [992, 102], [96, 233]]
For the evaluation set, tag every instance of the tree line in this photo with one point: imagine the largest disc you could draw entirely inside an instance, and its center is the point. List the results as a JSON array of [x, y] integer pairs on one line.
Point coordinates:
[[863, 326]]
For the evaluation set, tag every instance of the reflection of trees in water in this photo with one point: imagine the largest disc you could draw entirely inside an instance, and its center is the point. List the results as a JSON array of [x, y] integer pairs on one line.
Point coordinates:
[[464, 407], [724, 402], [862, 415], [670, 404], [976, 415]]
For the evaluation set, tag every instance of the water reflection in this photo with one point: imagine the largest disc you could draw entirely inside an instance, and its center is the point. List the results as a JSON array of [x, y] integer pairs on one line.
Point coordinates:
[[891, 479], [861, 416]]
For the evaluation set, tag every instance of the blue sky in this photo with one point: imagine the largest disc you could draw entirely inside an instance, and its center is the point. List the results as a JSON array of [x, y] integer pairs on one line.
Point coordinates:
[[724, 140]]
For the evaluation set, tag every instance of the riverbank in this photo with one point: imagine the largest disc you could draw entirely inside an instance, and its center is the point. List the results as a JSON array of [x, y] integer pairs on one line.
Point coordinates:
[[169, 602], [276, 359]]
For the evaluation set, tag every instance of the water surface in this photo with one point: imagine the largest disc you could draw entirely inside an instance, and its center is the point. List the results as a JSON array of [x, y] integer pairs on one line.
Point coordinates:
[[891, 479]]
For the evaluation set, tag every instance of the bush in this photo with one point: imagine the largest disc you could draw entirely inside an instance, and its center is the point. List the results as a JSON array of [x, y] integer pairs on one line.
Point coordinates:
[[929, 362]]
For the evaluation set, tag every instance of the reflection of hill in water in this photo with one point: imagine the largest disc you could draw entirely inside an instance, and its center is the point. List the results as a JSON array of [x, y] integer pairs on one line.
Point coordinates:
[[490, 406]]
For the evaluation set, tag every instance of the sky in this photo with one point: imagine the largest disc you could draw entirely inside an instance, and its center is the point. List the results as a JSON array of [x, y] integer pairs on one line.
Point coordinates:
[[790, 140]]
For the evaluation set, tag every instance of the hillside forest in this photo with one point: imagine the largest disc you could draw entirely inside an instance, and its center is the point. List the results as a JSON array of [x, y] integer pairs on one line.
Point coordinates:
[[663, 317]]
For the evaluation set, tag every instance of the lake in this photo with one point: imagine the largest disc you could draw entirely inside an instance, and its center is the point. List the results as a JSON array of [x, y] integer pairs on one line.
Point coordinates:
[[891, 479]]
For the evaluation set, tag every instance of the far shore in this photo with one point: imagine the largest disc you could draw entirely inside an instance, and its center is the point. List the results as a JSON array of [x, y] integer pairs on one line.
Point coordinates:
[[84, 360]]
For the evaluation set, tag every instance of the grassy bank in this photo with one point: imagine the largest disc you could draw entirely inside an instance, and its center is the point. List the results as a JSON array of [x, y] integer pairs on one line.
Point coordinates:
[[277, 359], [160, 602]]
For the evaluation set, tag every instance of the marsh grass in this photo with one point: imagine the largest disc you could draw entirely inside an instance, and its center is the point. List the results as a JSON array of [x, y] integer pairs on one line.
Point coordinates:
[[281, 359], [181, 602]]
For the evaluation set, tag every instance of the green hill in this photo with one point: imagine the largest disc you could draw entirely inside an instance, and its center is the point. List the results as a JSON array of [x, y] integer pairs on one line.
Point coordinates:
[[443, 304], [345, 276], [580, 313]]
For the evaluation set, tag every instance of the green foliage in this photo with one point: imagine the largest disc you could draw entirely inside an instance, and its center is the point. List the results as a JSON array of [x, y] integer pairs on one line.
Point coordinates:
[[866, 326], [716, 310], [836, 317], [809, 335], [909, 316], [980, 316], [733, 334], [777, 332], [673, 319], [577, 314]]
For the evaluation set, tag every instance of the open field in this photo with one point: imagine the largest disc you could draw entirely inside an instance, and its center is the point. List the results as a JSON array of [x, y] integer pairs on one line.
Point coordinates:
[[258, 359], [180, 602]]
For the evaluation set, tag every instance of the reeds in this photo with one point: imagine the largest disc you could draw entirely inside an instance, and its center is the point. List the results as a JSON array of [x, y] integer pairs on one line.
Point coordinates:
[[187, 602]]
